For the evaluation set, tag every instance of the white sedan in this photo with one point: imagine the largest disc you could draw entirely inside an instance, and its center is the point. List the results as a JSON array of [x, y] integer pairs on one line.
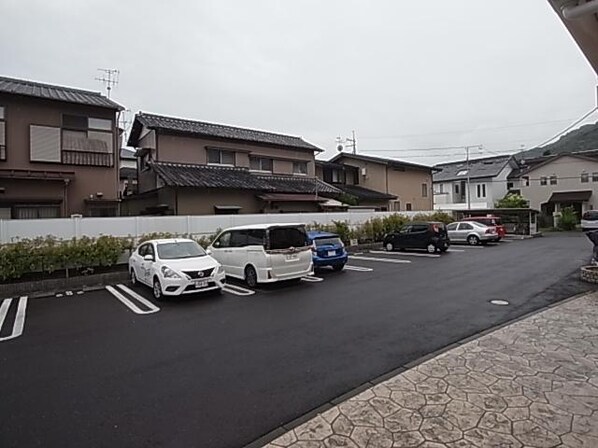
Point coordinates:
[[172, 267]]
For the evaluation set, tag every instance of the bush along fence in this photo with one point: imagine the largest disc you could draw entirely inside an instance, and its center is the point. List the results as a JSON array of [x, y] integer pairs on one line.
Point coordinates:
[[80, 256]]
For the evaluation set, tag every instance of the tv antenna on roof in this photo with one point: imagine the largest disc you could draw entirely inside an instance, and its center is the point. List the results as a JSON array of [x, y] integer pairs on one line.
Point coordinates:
[[109, 78], [351, 142]]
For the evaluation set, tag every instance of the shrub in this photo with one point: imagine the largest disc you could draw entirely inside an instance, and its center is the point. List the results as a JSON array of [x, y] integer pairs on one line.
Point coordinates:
[[568, 219]]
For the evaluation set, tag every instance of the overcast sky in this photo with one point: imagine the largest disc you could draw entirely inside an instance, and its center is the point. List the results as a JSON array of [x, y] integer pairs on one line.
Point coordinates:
[[403, 75]]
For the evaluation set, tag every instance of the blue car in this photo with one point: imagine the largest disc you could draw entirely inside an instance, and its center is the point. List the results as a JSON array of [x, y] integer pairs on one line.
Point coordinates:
[[328, 250]]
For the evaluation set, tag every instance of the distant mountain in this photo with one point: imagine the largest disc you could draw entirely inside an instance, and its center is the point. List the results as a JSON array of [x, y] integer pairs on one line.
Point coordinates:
[[581, 139]]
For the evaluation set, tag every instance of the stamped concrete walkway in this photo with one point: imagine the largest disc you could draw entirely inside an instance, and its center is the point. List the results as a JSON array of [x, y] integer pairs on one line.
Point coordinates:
[[531, 384]]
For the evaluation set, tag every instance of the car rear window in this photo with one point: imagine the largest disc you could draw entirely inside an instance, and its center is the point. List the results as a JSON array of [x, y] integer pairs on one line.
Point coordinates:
[[286, 237], [590, 216], [327, 241], [183, 249]]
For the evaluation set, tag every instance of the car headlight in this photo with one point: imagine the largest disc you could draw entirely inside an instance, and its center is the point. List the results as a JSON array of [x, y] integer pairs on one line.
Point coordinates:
[[221, 269], [169, 273]]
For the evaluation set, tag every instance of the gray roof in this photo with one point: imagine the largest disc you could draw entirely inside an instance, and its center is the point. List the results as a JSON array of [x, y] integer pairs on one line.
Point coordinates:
[[56, 93], [127, 154], [213, 130], [382, 160], [366, 193], [207, 176], [478, 168]]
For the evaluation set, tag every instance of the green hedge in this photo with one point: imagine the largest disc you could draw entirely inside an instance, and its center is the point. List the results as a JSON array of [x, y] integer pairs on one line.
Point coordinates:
[[374, 229]]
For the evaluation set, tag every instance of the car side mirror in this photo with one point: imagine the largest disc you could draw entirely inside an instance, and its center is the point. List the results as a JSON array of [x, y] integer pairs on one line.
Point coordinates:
[[209, 251], [148, 257]]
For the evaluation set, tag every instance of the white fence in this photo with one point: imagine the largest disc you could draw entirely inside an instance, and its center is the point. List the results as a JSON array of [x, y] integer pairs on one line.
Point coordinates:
[[135, 226]]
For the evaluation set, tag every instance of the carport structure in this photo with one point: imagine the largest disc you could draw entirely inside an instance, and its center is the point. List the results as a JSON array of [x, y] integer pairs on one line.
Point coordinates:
[[517, 221]]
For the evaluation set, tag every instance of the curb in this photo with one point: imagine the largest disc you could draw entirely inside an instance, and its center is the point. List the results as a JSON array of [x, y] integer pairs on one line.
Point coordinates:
[[282, 429]]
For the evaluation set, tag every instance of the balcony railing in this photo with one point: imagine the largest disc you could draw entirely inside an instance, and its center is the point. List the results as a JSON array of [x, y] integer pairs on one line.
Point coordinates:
[[87, 158]]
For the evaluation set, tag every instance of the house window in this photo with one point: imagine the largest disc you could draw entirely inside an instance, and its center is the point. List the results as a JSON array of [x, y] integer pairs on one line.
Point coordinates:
[[509, 185], [87, 141], [424, 190], [44, 144], [395, 206], [336, 177], [553, 180], [585, 178], [456, 188], [525, 181], [300, 168], [481, 190], [36, 211], [543, 180], [221, 157], [408, 206], [260, 164], [144, 161], [594, 177]]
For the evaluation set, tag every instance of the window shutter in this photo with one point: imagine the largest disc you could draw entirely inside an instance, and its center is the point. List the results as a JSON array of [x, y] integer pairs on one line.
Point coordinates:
[[2, 133], [105, 137], [45, 144]]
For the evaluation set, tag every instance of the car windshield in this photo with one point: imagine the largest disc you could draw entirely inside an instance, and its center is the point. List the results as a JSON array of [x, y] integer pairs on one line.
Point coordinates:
[[182, 249], [331, 241]]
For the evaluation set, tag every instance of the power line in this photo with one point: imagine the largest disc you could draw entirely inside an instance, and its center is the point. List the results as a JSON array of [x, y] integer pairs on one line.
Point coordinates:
[[568, 128], [466, 130]]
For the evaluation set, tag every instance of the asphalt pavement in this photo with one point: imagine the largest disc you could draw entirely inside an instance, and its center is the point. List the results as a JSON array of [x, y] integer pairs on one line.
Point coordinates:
[[222, 370]]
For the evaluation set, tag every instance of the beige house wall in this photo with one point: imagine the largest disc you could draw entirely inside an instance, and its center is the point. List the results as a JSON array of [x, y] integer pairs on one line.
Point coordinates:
[[20, 113], [183, 149], [568, 171]]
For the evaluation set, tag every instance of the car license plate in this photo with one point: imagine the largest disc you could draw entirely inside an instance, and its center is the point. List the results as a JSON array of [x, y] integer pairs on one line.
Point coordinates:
[[201, 283], [331, 253], [292, 257]]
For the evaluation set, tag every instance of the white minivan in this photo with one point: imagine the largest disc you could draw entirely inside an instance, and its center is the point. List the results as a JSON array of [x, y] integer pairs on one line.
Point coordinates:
[[264, 253]]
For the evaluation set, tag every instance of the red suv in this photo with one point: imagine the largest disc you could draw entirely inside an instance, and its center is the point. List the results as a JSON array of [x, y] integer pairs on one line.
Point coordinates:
[[491, 221]]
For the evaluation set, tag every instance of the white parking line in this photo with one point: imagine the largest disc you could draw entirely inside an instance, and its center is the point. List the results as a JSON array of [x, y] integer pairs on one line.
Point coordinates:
[[455, 250], [349, 267], [385, 260], [465, 246], [400, 254], [17, 329], [237, 290], [312, 279], [138, 297], [131, 305]]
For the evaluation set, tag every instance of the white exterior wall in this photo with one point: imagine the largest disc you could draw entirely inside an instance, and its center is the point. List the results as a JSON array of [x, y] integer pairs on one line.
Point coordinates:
[[568, 171], [136, 226]]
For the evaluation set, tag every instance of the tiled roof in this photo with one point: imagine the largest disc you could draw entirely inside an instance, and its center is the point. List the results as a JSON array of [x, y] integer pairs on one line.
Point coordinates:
[[219, 131], [57, 93], [205, 176], [395, 163], [366, 193], [477, 168]]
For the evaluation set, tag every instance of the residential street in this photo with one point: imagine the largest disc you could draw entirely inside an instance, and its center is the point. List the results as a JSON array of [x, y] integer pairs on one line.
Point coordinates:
[[221, 371]]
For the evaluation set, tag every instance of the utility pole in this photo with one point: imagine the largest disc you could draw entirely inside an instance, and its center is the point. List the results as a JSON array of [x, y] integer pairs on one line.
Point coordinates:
[[109, 78], [468, 192], [352, 142]]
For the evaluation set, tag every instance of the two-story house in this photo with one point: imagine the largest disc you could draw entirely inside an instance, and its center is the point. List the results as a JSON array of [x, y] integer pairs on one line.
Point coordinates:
[[487, 179], [188, 167], [566, 180], [382, 183], [57, 151]]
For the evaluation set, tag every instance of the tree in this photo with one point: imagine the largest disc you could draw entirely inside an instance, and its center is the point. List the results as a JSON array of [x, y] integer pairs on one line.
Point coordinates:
[[512, 200]]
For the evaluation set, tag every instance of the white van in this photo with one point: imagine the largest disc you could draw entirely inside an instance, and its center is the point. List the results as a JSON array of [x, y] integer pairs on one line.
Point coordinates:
[[264, 253]]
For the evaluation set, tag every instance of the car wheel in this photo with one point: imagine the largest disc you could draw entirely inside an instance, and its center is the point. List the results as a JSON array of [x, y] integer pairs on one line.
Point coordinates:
[[133, 277], [250, 276], [389, 247], [473, 240], [338, 267], [157, 289], [431, 248]]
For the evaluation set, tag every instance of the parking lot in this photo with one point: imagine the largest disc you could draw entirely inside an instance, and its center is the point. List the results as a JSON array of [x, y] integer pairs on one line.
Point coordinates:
[[113, 367]]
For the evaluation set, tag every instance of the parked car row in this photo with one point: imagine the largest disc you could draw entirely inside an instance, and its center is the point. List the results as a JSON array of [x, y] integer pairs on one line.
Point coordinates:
[[256, 254], [268, 253], [437, 237]]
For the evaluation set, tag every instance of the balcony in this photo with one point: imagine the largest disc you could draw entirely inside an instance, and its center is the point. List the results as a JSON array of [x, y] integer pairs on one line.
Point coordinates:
[[70, 157]]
